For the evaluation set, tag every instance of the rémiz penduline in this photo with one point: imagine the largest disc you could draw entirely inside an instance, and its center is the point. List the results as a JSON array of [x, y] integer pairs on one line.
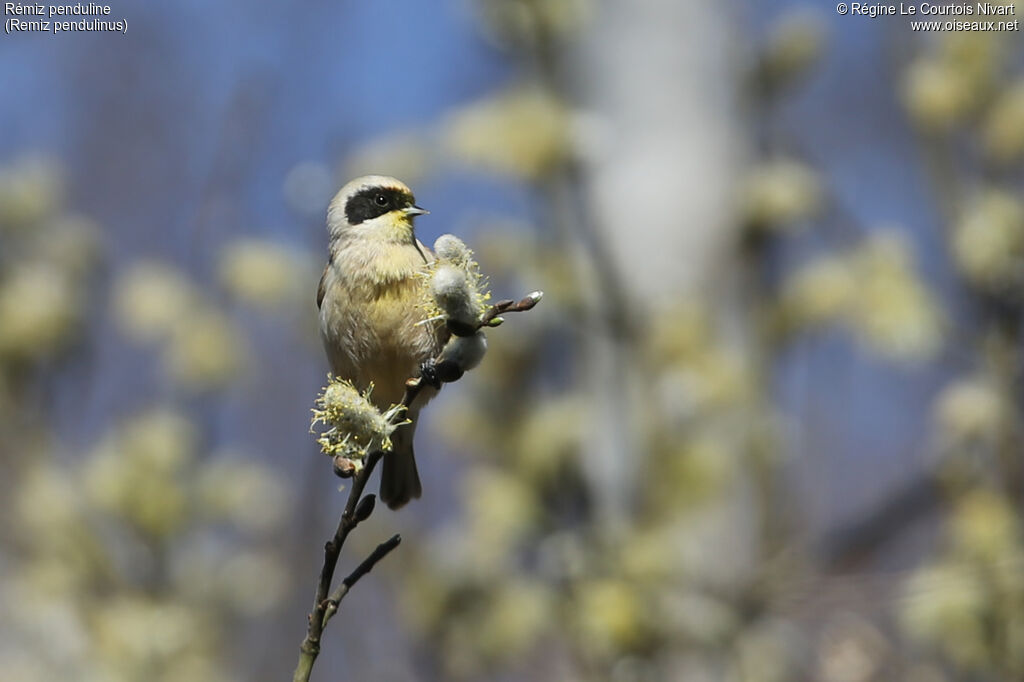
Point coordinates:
[[370, 311], [79, 9]]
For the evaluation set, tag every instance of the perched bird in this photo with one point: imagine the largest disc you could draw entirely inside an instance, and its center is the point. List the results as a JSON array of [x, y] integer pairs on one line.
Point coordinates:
[[369, 299]]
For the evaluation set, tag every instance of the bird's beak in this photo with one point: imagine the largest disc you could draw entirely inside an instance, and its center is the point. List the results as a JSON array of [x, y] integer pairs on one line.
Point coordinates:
[[415, 211]]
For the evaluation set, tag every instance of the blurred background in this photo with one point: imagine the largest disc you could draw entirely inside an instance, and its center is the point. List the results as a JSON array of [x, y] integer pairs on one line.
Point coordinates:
[[765, 426]]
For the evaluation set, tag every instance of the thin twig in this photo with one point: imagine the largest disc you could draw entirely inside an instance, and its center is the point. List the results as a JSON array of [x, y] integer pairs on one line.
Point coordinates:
[[490, 318], [509, 306], [383, 549], [310, 647]]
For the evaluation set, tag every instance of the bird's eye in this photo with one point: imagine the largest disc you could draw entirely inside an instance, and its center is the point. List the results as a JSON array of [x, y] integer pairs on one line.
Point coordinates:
[[381, 200]]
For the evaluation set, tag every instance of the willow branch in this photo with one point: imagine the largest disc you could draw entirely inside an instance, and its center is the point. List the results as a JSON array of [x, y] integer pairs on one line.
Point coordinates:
[[357, 509], [490, 318], [509, 306], [383, 549]]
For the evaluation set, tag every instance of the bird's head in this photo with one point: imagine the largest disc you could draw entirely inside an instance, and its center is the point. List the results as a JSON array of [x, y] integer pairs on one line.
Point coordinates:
[[373, 207]]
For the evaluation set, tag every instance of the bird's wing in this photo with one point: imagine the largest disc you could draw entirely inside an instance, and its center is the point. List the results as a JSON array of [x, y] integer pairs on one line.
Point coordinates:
[[425, 253], [322, 287]]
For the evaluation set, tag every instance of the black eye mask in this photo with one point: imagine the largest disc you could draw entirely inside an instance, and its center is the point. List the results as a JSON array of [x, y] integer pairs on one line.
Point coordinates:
[[373, 202]]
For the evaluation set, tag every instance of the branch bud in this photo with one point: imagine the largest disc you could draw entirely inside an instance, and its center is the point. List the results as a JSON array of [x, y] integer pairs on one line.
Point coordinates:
[[344, 467], [365, 507]]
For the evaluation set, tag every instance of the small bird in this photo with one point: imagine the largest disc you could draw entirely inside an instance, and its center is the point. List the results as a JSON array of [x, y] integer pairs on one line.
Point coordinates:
[[369, 299]]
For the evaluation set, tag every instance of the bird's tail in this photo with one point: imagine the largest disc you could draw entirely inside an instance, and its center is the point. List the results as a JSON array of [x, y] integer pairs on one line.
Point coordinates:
[[400, 481]]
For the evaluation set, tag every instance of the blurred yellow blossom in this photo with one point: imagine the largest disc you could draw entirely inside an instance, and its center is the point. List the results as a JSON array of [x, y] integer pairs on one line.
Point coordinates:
[[242, 491], [463, 424], [694, 615], [794, 45], [777, 195], [893, 310], [252, 582], [24, 666], [205, 351], [977, 54], [137, 634], [971, 411], [138, 472], [265, 274], [551, 436], [161, 439], [937, 94], [988, 241], [499, 509], [31, 189], [984, 526], [151, 299], [70, 242], [566, 286], [403, 155], [1003, 127], [194, 667], [63, 561], [692, 471], [47, 502], [818, 292], [608, 615], [945, 605], [526, 23], [522, 132], [423, 597], [696, 372], [851, 650], [202, 350], [648, 554], [506, 245], [680, 332], [515, 618], [712, 380], [49, 574], [875, 290], [38, 306], [154, 502]]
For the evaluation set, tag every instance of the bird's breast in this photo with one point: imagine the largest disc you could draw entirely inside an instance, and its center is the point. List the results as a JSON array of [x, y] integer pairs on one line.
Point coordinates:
[[369, 320]]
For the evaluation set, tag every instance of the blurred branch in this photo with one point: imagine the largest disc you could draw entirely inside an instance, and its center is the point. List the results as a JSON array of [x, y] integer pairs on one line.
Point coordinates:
[[860, 539], [563, 191], [611, 308]]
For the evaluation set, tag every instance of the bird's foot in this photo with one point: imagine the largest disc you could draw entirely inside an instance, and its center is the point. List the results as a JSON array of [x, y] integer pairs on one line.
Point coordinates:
[[429, 374], [434, 373]]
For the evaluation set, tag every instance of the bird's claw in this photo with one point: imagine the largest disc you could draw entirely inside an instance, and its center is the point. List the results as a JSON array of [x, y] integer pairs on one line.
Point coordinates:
[[429, 374], [434, 373]]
